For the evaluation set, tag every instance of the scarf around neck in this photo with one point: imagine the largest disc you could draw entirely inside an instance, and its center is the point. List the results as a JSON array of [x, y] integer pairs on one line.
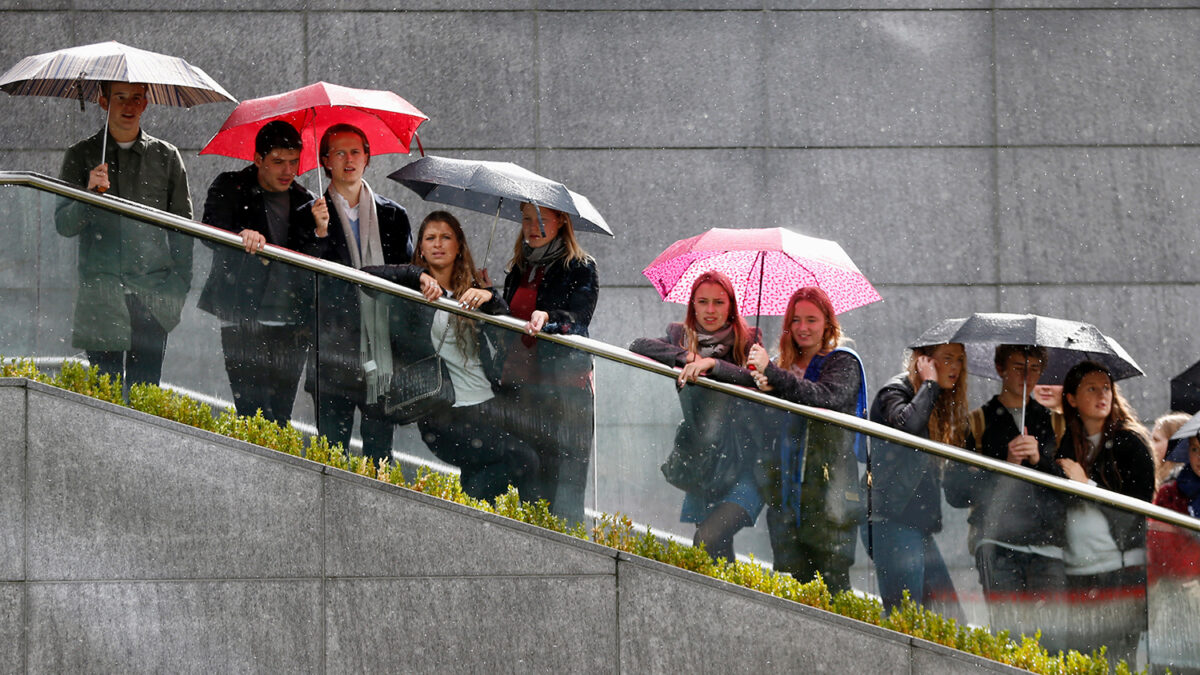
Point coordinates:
[[716, 344], [368, 250], [554, 251]]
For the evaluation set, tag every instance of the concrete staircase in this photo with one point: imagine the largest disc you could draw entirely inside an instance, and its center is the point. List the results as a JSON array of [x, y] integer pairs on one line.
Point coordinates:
[[132, 544]]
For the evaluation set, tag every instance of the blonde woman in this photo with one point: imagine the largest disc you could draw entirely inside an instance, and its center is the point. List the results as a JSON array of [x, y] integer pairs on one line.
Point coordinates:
[[1164, 428], [928, 400]]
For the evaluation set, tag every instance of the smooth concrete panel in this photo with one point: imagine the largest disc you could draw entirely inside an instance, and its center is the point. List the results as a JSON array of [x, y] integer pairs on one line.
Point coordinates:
[[175, 627], [877, 4], [438, 5], [650, 79], [45, 162], [376, 530], [240, 6], [667, 625], [566, 624], [12, 488], [1091, 4], [12, 628], [36, 122], [1097, 77], [118, 496], [1076, 215], [879, 79], [651, 198], [903, 215], [251, 54], [625, 313], [1154, 323], [472, 73], [929, 658]]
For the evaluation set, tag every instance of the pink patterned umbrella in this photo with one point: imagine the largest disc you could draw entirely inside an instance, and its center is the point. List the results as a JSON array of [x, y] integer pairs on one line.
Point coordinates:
[[765, 265]]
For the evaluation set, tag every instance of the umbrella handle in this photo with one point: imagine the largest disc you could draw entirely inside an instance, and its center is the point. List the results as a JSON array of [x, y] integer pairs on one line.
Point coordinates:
[[421, 148], [488, 253], [317, 152]]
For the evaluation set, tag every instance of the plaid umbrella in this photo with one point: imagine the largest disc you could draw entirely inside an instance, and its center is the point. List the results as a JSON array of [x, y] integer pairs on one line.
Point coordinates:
[[77, 73]]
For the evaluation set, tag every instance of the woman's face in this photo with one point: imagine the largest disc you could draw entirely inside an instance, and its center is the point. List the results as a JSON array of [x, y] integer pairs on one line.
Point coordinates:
[[1158, 443], [1093, 398], [531, 231], [807, 327], [951, 362], [711, 304], [439, 246]]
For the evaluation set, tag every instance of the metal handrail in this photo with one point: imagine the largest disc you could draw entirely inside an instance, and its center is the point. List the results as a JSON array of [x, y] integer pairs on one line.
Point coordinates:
[[603, 350]]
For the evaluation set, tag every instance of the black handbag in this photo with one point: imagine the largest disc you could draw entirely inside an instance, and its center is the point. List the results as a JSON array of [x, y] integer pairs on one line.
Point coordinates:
[[707, 456], [418, 389]]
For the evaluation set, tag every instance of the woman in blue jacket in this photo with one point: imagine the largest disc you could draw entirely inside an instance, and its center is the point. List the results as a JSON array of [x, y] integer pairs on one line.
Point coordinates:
[[815, 503]]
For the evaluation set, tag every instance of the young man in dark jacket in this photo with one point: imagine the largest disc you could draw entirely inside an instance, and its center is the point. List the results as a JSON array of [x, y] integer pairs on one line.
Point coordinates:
[[1017, 528], [264, 306]]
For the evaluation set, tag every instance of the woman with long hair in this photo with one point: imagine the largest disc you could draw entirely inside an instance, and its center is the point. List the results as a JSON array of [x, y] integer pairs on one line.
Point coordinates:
[[814, 501], [551, 282], [1160, 437], [713, 341], [468, 434], [929, 400], [1106, 548]]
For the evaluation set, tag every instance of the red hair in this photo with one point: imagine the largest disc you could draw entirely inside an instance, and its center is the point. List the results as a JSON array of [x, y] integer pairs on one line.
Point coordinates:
[[830, 339], [741, 331]]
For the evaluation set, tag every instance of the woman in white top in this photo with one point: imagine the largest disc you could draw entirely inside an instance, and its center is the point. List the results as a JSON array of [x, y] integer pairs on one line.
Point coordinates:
[[469, 434], [1105, 555]]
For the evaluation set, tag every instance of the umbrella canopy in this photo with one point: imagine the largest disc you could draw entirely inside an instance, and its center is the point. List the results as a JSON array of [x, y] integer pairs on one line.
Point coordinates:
[[496, 188], [1067, 343], [77, 73], [1185, 390], [390, 122], [765, 265]]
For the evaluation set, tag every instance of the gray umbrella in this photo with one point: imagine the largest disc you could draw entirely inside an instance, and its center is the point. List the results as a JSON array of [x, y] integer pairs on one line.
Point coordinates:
[[1067, 343], [496, 188]]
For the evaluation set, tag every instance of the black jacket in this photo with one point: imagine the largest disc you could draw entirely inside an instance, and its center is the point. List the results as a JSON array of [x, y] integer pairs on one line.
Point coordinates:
[[568, 294], [335, 360], [242, 286], [905, 483], [1005, 509], [1134, 477], [411, 321]]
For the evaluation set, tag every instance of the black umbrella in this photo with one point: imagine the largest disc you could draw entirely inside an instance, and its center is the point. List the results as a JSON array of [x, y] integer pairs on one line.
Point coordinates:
[[1185, 390], [1066, 342]]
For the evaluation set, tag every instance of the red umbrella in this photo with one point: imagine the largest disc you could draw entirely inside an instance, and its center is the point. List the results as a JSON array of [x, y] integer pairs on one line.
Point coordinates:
[[765, 265], [390, 122]]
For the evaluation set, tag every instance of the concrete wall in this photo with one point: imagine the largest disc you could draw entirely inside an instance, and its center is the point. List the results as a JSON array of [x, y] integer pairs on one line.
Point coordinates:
[[1016, 155], [132, 544]]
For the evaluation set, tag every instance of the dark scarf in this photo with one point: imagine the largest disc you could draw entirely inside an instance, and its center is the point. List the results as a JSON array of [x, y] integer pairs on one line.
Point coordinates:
[[716, 344], [553, 252], [1189, 486]]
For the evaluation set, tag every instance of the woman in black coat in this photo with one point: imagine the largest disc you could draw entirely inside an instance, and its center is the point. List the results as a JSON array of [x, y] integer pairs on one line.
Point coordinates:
[[1106, 547], [713, 341], [466, 435], [552, 284]]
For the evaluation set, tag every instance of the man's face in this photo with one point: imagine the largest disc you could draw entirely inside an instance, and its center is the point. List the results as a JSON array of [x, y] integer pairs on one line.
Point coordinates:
[[347, 158], [1020, 373], [277, 169], [125, 104]]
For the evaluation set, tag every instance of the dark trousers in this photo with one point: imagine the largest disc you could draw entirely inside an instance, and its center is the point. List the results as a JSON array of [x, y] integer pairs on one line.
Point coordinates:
[[264, 364], [817, 544], [1003, 570], [335, 421], [142, 362], [489, 458]]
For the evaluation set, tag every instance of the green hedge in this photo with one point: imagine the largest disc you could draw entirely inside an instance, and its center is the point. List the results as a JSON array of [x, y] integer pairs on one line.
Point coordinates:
[[616, 531]]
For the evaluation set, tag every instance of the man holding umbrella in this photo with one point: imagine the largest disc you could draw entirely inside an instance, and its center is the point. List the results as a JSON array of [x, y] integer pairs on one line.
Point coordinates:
[[133, 278], [264, 306], [1017, 528]]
